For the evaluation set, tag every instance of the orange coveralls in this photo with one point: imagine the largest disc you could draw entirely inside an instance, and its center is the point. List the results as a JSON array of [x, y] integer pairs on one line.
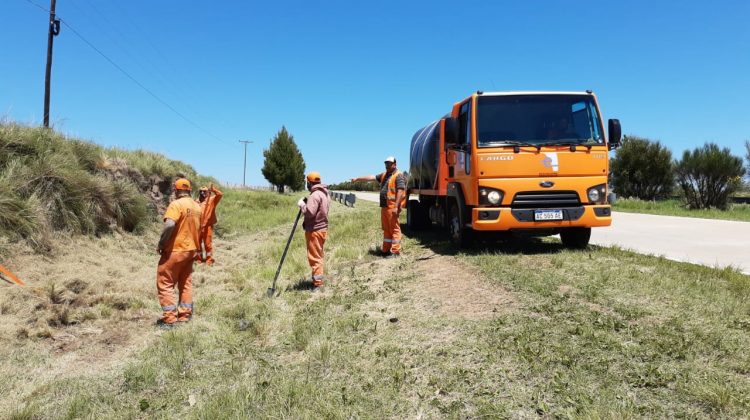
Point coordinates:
[[208, 220], [315, 241], [176, 262], [315, 225], [388, 217]]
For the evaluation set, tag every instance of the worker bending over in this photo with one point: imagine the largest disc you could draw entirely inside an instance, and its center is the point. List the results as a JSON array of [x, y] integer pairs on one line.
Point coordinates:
[[392, 200], [315, 209], [178, 247], [208, 198]]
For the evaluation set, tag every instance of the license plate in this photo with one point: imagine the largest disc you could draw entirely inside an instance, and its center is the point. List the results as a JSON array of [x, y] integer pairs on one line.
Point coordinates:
[[548, 215]]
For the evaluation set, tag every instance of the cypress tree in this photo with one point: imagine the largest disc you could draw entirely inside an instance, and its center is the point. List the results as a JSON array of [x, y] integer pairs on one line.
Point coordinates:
[[284, 164]]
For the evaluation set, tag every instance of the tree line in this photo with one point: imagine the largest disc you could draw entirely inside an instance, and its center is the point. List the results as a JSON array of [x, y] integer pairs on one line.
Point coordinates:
[[706, 176]]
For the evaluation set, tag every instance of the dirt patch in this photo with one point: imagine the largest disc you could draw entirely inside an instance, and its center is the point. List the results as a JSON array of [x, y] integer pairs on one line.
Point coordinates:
[[447, 287]]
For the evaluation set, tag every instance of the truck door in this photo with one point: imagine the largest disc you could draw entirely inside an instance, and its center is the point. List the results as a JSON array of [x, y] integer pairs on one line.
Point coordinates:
[[463, 165]]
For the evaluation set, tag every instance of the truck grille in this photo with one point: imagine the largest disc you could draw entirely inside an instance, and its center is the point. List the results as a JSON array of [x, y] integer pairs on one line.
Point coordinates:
[[545, 199]]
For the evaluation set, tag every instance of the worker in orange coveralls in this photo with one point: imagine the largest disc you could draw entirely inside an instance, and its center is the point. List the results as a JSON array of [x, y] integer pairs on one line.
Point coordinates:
[[392, 200], [315, 209], [178, 247], [208, 198]]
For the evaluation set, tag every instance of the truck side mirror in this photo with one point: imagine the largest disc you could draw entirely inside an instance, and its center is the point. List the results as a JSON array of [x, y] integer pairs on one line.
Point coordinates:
[[615, 134], [451, 131]]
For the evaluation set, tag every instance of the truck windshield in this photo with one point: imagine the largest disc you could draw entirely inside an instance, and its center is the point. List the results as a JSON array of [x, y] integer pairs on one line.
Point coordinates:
[[537, 120]]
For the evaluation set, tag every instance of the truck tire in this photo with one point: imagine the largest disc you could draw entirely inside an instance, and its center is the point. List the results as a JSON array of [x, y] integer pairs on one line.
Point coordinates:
[[575, 238], [460, 235]]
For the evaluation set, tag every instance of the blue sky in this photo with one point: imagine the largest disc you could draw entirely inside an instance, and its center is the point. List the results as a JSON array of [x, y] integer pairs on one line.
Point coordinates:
[[352, 81]]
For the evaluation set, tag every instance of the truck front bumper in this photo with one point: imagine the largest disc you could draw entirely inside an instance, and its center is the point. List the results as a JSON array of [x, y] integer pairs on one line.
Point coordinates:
[[506, 218]]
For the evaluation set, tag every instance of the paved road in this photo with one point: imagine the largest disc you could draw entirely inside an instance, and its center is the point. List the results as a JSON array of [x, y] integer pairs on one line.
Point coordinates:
[[715, 243]]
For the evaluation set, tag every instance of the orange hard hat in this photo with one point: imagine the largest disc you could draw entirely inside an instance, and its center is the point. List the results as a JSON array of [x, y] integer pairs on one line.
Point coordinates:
[[183, 184], [313, 177]]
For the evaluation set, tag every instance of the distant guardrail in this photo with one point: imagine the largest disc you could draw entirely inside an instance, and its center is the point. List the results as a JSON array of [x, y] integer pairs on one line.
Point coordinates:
[[345, 199]]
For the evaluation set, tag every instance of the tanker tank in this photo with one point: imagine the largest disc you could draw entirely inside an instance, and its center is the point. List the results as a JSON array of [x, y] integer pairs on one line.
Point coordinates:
[[423, 157]]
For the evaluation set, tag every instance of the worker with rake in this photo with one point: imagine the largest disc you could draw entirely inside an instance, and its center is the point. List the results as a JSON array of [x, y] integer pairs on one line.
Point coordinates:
[[315, 209]]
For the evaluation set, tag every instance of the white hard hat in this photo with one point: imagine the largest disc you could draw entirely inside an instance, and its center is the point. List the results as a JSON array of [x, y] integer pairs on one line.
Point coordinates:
[[390, 159]]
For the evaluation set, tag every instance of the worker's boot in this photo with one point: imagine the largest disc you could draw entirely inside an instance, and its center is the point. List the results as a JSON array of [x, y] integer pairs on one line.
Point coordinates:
[[210, 260]]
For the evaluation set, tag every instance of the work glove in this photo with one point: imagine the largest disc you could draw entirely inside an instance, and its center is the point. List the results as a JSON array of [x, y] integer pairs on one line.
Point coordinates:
[[301, 202]]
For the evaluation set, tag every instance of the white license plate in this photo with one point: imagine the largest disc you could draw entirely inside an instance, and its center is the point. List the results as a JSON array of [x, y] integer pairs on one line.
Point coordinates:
[[548, 215]]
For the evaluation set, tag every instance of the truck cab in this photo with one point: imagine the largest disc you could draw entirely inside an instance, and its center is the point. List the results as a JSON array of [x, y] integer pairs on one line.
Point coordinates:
[[535, 162]]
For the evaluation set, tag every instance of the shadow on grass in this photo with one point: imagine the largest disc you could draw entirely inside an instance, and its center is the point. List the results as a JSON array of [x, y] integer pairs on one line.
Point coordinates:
[[301, 285], [439, 242]]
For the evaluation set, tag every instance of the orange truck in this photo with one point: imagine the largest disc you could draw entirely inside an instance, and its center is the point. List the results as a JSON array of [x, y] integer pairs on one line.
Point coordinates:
[[525, 163]]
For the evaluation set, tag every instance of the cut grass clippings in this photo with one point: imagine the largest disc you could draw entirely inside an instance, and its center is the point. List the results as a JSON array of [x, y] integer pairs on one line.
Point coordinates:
[[600, 333]]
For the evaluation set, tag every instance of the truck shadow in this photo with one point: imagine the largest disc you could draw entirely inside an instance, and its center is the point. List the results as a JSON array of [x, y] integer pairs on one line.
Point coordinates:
[[439, 242]]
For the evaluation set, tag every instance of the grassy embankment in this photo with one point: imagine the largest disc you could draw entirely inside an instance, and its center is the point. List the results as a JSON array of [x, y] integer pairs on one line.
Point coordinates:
[[510, 331], [740, 212], [52, 185]]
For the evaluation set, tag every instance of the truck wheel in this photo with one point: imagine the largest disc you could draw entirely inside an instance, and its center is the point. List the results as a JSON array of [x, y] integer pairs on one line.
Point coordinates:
[[576, 238], [461, 236]]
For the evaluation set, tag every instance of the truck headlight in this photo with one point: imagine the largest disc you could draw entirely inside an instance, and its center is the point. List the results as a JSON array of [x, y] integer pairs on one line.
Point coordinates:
[[494, 197], [490, 196], [597, 194]]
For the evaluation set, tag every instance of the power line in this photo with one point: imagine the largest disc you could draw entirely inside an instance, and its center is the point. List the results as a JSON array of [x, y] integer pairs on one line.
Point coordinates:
[[111, 30], [37, 5], [147, 90], [133, 79]]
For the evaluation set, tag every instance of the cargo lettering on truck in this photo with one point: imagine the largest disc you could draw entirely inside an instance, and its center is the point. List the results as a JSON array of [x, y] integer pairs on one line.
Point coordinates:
[[497, 157]]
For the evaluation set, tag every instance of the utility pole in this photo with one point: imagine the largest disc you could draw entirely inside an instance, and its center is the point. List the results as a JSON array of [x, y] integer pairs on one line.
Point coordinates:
[[244, 164], [54, 30]]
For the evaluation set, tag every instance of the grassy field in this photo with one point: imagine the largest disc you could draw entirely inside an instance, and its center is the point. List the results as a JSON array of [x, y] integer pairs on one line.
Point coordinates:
[[739, 212], [515, 330]]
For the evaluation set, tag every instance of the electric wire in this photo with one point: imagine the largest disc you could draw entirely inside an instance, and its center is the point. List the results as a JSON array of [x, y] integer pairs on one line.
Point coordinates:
[[39, 6], [110, 29], [133, 79]]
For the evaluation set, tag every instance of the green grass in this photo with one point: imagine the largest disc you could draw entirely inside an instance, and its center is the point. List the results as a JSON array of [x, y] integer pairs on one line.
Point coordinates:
[[601, 333], [739, 212], [246, 211]]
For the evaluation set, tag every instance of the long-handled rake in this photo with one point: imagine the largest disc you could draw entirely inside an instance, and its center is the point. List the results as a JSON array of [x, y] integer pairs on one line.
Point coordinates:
[[272, 290]]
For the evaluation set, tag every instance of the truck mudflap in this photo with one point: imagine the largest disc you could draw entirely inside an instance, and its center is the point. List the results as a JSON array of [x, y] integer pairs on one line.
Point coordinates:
[[505, 218]]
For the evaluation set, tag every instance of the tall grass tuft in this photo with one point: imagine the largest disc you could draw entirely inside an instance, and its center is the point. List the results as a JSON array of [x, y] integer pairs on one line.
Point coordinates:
[[49, 182]]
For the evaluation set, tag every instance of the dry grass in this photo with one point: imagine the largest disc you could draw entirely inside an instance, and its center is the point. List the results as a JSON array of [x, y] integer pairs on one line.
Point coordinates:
[[515, 331]]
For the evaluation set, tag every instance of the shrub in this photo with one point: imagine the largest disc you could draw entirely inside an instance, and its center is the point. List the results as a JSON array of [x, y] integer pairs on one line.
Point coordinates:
[[642, 168], [708, 176]]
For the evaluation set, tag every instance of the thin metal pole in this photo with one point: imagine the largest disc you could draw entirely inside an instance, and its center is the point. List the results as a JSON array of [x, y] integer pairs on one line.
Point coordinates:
[[244, 164], [54, 29]]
